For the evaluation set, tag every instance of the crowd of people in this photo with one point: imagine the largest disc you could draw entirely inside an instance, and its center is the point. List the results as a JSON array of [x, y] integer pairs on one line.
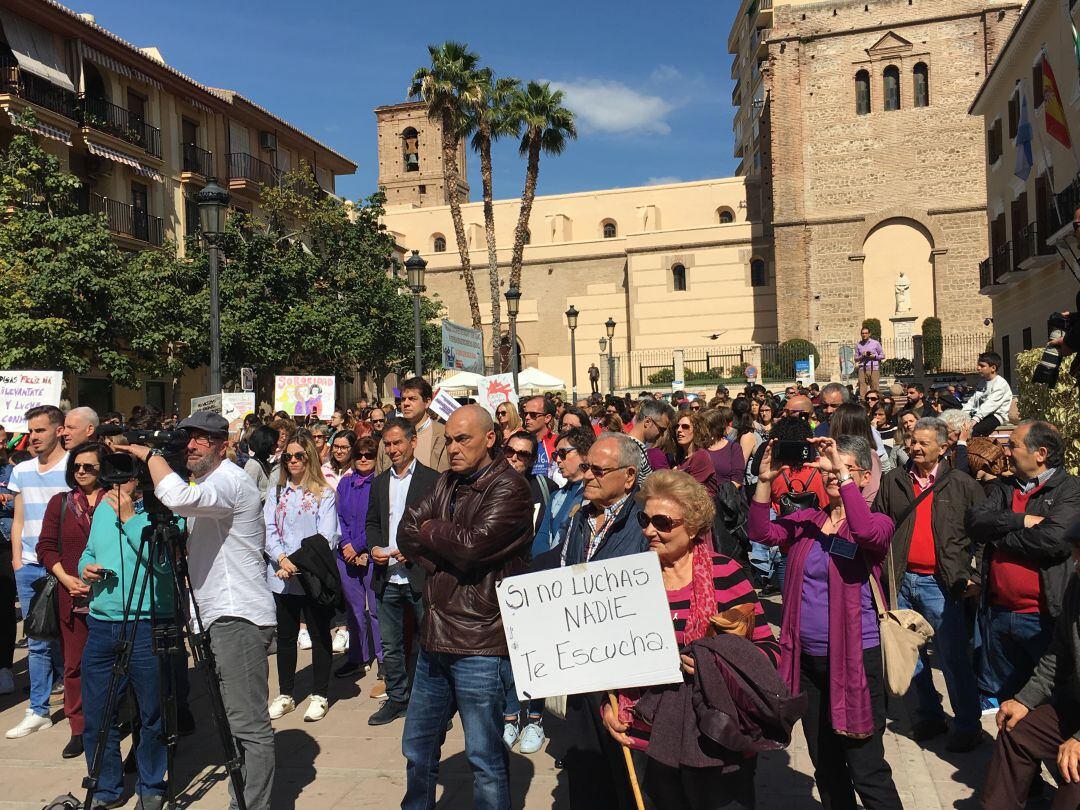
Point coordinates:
[[810, 505]]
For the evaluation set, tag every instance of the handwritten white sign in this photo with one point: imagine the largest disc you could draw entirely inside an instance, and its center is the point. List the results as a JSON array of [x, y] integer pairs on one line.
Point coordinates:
[[591, 627], [22, 390]]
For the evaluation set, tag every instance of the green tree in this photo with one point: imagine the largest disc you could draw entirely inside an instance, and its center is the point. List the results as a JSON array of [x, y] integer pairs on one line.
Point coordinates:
[[1057, 405], [932, 344], [874, 325], [795, 349], [451, 86]]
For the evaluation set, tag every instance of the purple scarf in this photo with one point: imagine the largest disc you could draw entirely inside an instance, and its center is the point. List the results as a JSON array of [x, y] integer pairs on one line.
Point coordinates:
[[353, 494]]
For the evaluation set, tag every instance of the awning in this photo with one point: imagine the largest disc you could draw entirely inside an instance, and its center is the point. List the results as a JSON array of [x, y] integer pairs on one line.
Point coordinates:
[[45, 130], [35, 49], [121, 157], [105, 61]]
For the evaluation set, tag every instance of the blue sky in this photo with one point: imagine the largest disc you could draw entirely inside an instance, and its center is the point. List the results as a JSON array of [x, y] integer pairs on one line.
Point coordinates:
[[649, 82]]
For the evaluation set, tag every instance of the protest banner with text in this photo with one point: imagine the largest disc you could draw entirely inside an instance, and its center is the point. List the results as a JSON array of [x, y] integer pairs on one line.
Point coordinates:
[[22, 390]]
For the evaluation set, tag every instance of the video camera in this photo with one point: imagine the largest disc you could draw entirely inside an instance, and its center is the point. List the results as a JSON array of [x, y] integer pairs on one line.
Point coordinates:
[[122, 468], [1058, 326]]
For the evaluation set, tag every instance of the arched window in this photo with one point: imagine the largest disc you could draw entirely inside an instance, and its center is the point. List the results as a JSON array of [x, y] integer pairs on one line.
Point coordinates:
[[439, 243], [410, 148], [921, 74], [891, 86], [757, 273], [725, 215], [610, 231], [862, 92], [678, 278]]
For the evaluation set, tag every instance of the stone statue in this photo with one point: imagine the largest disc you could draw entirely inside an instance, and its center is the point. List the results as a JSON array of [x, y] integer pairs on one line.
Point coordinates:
[[903, 294]]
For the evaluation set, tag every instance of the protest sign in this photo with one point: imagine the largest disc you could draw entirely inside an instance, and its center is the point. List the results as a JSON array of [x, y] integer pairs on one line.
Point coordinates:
[[590, 627], [235, 406], [443, 404], [22, 390], [304, 394], [208, 404], [462, 348], [493, 391]]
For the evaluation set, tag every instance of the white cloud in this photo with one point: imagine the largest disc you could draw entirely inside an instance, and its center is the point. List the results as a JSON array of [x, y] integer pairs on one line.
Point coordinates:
[[610, 106], [663, 181], [666, 73]]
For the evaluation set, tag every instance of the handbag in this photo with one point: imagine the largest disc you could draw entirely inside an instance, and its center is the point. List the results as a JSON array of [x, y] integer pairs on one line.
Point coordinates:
[[42, 619], [903, 633], [792, 501]]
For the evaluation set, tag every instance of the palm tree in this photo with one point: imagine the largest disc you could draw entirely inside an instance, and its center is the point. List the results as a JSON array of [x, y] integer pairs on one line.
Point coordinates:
[[450, 86], [546, 125], [491, 120]]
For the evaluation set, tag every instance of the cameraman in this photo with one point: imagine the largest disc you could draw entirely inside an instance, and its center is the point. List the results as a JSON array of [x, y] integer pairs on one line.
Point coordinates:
[[228, 576]]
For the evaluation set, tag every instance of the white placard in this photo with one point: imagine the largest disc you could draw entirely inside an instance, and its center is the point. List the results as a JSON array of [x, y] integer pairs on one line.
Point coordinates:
[[22, 390], [211, 403], [235, 406], [590, 627], [493, 391], [304, 395], [443, 404]]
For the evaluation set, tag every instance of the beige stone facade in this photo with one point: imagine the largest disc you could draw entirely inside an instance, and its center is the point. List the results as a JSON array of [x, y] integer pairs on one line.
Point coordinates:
[[411, 166], [1030, 227]]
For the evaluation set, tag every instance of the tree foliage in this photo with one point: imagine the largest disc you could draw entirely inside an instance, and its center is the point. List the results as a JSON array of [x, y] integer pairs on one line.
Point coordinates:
[[874, 325], [1057, 405], [932, 344]]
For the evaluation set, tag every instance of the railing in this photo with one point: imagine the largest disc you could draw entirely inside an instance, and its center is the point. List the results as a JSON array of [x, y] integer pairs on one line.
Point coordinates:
[[103, 115], [1064, 205], [247, 167], [124, 219], [986, 274], [36, 90], [198, 160], [1001, 261]]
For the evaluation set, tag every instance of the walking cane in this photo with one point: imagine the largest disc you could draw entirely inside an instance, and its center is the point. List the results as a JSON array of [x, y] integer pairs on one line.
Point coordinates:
[[630, 770]]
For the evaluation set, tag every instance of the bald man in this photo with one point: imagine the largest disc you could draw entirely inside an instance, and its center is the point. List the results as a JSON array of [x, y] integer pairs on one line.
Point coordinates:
[[474, 529], [80, 425]]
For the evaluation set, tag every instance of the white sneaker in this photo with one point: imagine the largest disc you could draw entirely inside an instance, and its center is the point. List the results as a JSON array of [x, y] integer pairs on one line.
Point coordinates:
[[30, 723], [510, 733], [532, 738], [304, 639], [317, 708], [7, 682], [280, 706], [341, 640]]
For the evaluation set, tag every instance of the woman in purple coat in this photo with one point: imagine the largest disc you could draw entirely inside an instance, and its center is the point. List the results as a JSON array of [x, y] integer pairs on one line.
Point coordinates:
[[354, 564]]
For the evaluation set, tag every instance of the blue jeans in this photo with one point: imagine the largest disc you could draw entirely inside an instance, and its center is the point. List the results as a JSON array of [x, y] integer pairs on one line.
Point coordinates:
[[44, 661], [534, 708], [143, 676], [1013, 643], [921, 592], [472, 686]]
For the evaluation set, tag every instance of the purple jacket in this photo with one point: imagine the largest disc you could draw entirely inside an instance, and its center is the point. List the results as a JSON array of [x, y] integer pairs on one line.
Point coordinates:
[[353, 493], [849, 695], [877, 354]]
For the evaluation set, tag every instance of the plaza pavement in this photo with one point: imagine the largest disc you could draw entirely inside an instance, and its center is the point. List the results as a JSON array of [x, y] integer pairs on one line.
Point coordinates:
[[341, 762]]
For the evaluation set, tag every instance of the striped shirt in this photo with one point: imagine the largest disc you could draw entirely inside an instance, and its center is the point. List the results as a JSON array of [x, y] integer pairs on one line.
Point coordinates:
[[36, 489], [732, 588]]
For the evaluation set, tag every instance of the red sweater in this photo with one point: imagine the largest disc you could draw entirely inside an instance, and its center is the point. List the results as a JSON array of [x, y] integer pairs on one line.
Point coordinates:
[[1014, 580], [922, 556]]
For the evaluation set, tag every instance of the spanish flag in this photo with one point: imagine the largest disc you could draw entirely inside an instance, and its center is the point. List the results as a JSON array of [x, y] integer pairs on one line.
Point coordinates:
[[1056, 125]]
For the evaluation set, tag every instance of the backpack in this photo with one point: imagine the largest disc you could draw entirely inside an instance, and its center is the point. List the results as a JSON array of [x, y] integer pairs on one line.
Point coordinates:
[[792, 501], [729, 527]]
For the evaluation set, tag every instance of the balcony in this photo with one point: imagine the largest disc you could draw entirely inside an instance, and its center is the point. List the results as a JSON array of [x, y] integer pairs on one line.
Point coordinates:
[[248, 174], [759, 43], [1064, 206], [196, 163], [1032, 252], [38, 92], [986, 278], [131, 224], [762, 15], [104, 116], [1001, 262]]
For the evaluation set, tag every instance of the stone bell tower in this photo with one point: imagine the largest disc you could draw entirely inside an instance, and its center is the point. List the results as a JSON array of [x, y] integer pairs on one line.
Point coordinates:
[[411, 166]]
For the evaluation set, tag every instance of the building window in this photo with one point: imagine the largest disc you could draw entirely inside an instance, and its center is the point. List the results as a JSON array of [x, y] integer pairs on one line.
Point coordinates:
[[410, 147], [862, 93], [921, 74], [1026, 337], [610, 231], [758, 277], [440, 243], [678, 278], [725, 215], [1014, 113], [422, 188], [1036, 83], [891, 87], [993, 143]]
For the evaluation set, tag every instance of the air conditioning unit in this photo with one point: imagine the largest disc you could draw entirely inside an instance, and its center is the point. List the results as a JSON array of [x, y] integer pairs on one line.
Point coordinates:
[[268, 140]]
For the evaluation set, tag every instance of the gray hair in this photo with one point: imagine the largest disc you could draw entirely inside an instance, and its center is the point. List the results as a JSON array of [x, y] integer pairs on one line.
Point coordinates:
[[654, 409], [858, 448], [955, 418], [939, 426], [88, 415], [628, 453], [836, 388]]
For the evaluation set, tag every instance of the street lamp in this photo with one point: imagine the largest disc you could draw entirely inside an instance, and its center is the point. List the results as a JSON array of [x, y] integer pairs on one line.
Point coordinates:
[[610, 355], [571, 321], [414, 269], [513, 304], [213, 203]]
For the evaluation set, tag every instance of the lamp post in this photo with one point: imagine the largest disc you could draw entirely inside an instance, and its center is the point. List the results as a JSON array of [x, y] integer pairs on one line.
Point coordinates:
[[213, 203], [414, 269], [513, 303], [571, 321], [611, 354]]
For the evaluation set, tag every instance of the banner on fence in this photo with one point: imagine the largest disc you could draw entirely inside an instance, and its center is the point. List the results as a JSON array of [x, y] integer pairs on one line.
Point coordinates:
[[304, 394], [590, 627], [22, 390], [493, 391], [462, 348]]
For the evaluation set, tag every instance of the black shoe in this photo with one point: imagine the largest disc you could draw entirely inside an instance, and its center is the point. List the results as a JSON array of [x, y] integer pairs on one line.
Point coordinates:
[[101, 804], [925, 730], [960, 742], [185, 722], [349, 670], [379, 672], [388, 713], [74, 748]]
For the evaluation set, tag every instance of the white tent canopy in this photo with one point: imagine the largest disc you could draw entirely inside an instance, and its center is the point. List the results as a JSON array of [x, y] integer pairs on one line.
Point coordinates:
[[461, 381], [537, 380]]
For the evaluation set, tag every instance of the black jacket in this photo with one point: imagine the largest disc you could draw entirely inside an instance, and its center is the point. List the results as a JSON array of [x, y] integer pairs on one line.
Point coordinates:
[[1049, 545], [319, 575], [625, 536], [378, 522], [953, 546]]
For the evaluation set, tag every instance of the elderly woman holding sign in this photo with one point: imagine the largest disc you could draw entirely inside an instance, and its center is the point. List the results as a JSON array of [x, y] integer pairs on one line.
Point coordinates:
[[704, 590]]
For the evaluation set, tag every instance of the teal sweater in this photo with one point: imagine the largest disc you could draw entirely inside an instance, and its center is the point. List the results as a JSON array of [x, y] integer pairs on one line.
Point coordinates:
[[118, 551]]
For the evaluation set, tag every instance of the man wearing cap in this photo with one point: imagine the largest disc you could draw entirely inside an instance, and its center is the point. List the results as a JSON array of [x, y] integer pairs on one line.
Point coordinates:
[[228, 575]]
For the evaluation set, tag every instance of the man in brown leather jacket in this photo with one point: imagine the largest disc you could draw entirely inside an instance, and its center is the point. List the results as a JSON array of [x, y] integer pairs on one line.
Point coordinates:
[[473, 529]]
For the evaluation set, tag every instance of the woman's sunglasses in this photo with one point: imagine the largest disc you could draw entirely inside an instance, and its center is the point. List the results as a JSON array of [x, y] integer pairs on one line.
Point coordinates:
[[682, 426], [287, 457], [89, 469], [662, 523], [367, 455], [522, 455], [563, 453]]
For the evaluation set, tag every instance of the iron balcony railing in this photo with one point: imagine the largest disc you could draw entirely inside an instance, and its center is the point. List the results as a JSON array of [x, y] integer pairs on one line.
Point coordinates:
[[1001, 261], [124, 219], [104, 116], [36, 90], [986, 274], [1064, 205], [243, 166], [198, 160]]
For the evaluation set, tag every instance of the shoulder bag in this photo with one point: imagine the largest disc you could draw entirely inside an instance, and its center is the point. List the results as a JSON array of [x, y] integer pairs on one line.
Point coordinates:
[[903, 633], [42, 619]]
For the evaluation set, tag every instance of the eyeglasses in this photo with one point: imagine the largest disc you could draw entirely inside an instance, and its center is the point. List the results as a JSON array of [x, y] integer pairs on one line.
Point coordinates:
[[341, 446], [800, 414], [872, 398], [89, 469], [378, 421], [522, 455], [534, 414], [662, 523], [367, 455], [684, 426], [695, 407], [597, 471], [287, 457], [830, 407], [501, 412], [563, 453]]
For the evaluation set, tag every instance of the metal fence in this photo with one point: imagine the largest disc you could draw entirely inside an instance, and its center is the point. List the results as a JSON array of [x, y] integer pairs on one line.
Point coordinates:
[[775, 362]]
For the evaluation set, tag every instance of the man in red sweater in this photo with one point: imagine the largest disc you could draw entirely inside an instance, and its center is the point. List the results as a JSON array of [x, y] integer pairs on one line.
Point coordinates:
[[932, 569]]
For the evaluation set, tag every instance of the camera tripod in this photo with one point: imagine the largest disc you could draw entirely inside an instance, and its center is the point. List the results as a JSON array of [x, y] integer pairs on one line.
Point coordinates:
[[162, 547]]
